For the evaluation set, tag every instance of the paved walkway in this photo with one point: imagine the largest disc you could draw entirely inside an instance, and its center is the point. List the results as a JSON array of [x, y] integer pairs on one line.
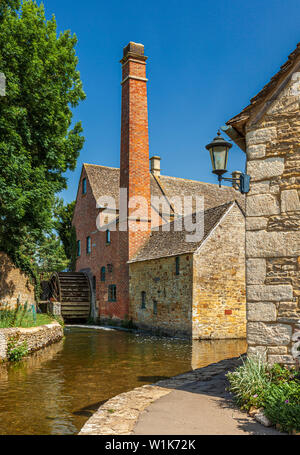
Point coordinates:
[[193, 403], [198, 408]]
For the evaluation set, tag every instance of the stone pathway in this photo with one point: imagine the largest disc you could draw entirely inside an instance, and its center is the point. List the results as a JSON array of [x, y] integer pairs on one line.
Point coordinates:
[[192, 403]]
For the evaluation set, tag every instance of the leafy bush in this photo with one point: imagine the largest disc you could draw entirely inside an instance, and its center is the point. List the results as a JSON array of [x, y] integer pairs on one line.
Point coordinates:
[[249, 382], [283, 405], [16, 350]]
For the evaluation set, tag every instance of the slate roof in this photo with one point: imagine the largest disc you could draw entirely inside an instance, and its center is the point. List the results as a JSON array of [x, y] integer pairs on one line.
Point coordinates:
[[268, 88], [173, 243], [105, 181]]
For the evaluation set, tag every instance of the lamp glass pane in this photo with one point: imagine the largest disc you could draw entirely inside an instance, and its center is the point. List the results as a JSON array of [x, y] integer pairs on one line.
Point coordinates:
[[220, 155]]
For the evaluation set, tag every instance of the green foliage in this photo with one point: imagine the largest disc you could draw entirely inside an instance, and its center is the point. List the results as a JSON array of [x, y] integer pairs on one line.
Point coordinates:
[[49, 256], [38, 142], [16, 350], [21, 316], [249, 383], [63, 226], [283, 405], [276, 389]]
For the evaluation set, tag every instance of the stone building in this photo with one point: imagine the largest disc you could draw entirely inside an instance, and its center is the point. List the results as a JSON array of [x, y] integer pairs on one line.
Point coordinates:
[[268, 130], [195, 289], [106, 253]]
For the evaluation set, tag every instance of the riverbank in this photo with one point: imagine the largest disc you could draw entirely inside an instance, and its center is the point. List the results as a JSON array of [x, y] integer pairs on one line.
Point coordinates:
[[191, 403], [35, 338]]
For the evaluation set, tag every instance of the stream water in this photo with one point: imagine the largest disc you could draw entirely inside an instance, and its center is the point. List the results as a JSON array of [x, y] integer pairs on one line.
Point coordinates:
[[55, 390]]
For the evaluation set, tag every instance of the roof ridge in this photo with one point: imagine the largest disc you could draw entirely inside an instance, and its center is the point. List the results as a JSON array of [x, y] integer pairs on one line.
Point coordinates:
[[100, 165]]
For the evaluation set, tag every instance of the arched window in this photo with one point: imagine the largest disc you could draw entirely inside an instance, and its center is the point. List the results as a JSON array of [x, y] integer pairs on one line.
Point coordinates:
[[154, 307], [102, 274], [78, 248], [108, 236]]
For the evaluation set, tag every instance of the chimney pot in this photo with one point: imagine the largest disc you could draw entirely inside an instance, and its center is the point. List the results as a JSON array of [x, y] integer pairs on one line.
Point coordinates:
[[155, 165]]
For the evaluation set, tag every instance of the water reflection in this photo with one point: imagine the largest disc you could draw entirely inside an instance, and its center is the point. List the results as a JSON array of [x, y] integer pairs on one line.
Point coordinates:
[[55, 391]]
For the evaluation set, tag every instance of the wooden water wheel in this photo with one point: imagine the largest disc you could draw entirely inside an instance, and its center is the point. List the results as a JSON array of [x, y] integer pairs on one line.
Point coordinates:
[[72, 290]]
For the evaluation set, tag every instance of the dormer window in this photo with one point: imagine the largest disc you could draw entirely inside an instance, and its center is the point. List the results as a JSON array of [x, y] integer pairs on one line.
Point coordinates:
[[84, 186]]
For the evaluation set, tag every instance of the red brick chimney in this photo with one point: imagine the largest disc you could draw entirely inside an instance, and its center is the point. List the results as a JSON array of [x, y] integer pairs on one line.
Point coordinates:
[[134, 163]]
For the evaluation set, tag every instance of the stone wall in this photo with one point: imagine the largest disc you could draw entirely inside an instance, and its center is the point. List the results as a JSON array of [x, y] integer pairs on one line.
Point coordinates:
[[173, 294], [272, 226], [219, 298], [35, 337], [14, 283]]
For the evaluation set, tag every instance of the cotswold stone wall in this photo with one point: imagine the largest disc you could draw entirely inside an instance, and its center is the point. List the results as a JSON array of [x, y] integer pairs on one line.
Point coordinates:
[[14, 283], [35, 337], [173, 294], [219, 297], [273, 227]]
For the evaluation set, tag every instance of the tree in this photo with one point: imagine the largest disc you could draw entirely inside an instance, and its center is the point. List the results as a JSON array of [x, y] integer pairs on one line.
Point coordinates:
[[63, 226], [37, 140]]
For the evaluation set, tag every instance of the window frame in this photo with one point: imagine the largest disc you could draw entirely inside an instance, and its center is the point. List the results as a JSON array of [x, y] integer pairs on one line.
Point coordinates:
[[143, 300], [84, 186], [88, 245], [103, 274], [112, 293], [177, 265]]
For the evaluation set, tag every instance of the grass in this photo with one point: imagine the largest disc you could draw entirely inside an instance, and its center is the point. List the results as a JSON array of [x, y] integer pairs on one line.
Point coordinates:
[[22, 316]]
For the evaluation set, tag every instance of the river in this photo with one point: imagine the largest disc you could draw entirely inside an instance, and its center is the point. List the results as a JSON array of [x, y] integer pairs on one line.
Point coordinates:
[[55, 390]]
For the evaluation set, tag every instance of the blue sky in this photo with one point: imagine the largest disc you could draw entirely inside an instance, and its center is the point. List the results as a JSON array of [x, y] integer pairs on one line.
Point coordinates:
[[206, 60]]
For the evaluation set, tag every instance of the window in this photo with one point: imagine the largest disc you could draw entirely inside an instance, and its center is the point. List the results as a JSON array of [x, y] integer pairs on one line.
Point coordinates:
[[110, 268], [88, 245], [143, 300], [177, 265], [94, 283], [112, 293], [102, 274], [108, 236], [78, 248], [154, 307], [84, 186]]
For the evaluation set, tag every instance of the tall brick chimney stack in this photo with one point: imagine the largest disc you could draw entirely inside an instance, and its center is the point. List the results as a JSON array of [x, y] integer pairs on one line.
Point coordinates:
[[134, 162]]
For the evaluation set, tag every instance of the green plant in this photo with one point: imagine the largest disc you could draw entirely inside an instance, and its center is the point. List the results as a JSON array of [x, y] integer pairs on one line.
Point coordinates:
[[283, 405], [279, 374], [16, 350], [57, 318], [249, 383]]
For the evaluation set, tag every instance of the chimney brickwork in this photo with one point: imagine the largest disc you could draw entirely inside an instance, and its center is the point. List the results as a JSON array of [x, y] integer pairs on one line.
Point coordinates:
[[134, 162]]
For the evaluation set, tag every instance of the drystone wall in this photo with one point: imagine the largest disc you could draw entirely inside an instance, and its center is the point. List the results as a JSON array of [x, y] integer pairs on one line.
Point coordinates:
[[35, 337], [273, 227], [14, 284]]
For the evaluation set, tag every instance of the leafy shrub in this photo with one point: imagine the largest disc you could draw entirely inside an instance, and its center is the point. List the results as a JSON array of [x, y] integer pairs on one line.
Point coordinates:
[[16, 350], [283, 405], [249, 383], [279, 374]]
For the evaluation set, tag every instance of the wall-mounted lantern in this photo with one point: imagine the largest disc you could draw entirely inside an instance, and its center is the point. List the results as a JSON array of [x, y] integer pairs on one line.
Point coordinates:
[[218, 150]]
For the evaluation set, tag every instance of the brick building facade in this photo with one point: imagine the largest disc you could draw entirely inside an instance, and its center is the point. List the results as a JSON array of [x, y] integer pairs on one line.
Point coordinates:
[[108, 253], [268, 130]]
